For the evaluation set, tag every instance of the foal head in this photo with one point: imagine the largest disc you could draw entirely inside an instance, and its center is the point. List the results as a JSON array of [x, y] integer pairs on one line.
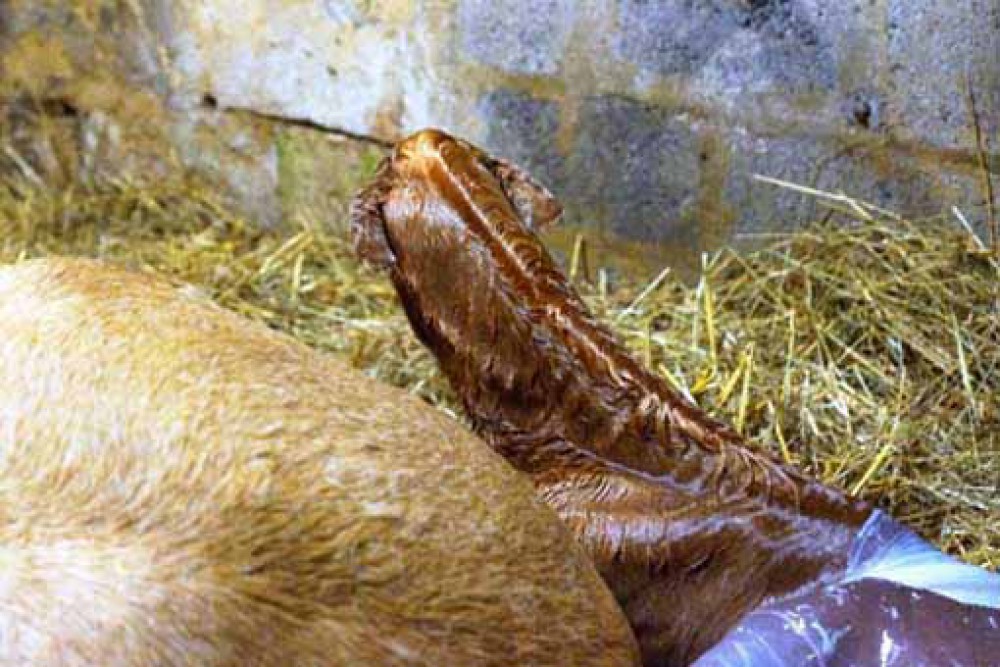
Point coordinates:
[[456, 228], [434, 184]]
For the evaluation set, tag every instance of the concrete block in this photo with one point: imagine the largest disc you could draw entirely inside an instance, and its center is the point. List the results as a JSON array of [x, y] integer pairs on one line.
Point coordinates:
[[634, 169], [525, 130], [518, 36]]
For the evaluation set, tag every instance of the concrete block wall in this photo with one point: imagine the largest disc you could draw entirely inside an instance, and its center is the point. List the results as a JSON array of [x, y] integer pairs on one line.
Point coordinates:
[[647, 118]]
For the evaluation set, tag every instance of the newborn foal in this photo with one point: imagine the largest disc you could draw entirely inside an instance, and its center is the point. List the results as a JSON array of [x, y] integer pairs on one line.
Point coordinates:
[[712, 548]]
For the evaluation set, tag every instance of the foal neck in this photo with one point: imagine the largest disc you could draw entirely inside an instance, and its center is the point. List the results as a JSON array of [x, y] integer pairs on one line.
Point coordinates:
[[533, 367]]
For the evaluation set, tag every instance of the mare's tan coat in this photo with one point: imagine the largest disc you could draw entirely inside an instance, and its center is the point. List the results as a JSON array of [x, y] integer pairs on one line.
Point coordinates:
[[179, 486]]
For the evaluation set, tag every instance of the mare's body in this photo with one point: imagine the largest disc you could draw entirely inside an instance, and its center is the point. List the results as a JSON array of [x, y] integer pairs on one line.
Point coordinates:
[[180, 486]]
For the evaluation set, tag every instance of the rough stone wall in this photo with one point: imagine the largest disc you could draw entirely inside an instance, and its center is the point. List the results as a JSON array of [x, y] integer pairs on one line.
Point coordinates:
[[648, 118]]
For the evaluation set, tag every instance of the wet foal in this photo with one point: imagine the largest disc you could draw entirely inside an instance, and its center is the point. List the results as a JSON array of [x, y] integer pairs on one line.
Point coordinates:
[[716, 551]]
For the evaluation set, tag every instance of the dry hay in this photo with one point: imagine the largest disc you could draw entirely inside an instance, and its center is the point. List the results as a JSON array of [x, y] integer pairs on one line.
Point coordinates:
[[865, 349]]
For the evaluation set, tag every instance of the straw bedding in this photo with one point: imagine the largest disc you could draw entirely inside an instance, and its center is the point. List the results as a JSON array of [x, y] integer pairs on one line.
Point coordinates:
[[865, 348]]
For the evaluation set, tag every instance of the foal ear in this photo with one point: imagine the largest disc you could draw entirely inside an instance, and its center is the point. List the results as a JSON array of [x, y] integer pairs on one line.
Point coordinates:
[[371, 245], [533, 202]]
